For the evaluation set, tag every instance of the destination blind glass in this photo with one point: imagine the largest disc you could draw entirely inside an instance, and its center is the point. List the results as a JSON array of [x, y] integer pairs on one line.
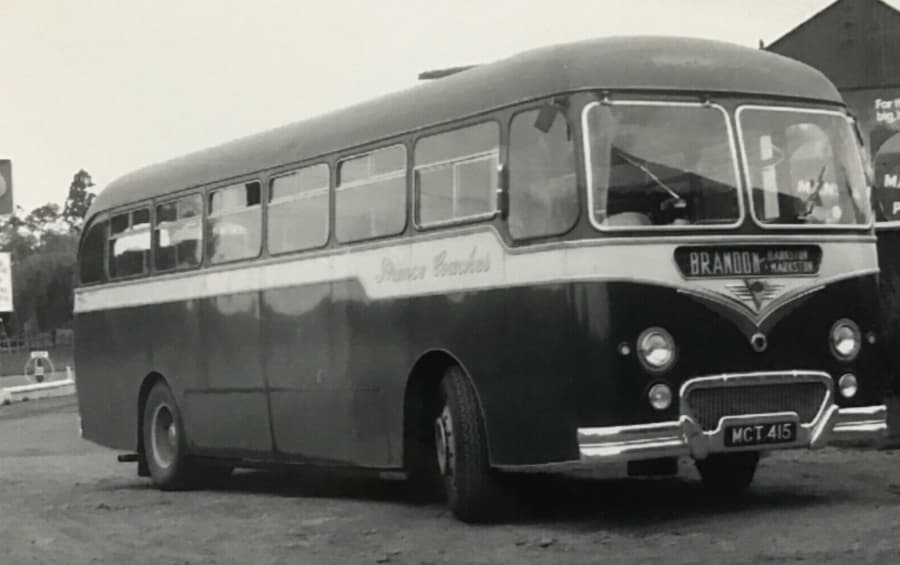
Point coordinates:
[[804, 167], [661, 165], [748, 260]]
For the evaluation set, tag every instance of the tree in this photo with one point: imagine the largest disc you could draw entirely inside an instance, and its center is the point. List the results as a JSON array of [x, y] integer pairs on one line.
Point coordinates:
[[42, 291], [44, 220], [78, 201], [43, 245], [16, 238]]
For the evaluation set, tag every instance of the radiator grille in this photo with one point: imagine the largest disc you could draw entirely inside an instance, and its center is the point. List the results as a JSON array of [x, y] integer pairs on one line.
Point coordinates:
[[709, 405]]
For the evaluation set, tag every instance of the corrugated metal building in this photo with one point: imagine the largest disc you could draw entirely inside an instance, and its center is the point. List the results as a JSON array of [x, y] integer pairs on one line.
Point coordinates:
[[856, 43]]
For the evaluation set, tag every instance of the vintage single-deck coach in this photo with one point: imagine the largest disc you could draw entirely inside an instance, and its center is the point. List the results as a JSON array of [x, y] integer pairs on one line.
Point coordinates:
[[618, 250]]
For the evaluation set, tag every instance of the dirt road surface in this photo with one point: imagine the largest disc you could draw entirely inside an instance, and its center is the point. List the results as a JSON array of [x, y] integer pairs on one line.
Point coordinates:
[[65, 501]]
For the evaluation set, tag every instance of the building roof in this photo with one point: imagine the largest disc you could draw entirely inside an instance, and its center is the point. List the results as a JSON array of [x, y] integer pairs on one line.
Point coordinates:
[[802, 27], [854, 42], [632, 63]]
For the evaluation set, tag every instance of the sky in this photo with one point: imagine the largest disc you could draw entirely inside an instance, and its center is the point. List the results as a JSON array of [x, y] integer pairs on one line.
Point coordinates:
[[110, 86]]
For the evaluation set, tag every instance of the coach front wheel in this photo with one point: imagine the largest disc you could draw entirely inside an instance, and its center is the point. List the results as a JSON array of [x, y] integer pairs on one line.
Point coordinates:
[[472, 487]]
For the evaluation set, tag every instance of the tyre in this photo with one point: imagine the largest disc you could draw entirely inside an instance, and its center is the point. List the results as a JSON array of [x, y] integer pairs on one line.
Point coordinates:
[[165, 449], [728, 474], [472, 488]]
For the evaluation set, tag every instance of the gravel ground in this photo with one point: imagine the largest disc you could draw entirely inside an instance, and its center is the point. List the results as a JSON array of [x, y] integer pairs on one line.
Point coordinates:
[[65, 501]]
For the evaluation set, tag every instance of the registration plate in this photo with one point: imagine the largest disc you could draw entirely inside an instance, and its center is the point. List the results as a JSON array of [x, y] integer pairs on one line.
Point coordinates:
[[760, 434]]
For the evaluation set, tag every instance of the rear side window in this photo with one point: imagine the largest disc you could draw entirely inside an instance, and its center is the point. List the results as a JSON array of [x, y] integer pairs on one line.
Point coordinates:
[[456, 174], [91, 257], [298, 210], [235, 222], [178, 233], [129, 243], [370, 199], [543, 195]]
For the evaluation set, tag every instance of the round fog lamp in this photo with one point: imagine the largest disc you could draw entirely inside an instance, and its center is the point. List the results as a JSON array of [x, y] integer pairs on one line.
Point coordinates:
[[660, 396], [845, 340], [656, 349], [847, 385]]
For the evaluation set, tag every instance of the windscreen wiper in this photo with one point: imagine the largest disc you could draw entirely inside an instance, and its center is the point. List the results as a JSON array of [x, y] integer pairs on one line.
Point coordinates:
[[809, 204], [856, 211], [677, 201]]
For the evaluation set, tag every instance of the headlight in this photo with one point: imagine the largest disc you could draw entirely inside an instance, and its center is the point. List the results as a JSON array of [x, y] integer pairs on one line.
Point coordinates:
[[656, 349], [845, 340]]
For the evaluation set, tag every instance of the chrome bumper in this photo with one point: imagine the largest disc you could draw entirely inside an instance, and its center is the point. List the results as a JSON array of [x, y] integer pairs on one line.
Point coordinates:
[[685, 437]]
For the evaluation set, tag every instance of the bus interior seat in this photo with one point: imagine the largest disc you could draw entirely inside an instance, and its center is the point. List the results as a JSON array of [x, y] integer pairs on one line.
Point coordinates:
[[629, 219]]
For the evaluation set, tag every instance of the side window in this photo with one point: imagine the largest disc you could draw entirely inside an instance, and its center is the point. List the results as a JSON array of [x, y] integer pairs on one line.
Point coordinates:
[[298, 210], [178, 233], [91, 256], [235, 222], [370, 199], [456, 174], [543, 195], [129, 243]]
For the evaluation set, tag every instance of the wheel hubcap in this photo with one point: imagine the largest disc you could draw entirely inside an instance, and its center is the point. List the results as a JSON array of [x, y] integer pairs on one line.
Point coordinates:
[[443, 441], [163, 437]]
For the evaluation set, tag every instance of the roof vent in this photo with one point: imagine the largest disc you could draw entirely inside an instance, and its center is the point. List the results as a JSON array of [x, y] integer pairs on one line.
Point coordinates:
[[441, 73]]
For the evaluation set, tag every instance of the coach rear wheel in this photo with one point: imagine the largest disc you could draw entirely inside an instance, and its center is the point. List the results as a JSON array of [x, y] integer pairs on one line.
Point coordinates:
[[472, 487], [164, 437], [728, 474], [164, 442]]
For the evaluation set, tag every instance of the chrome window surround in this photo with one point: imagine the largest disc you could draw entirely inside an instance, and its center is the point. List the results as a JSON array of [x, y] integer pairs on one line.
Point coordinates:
[[493, 156], [340, 186], [746, 177], [586, 148]]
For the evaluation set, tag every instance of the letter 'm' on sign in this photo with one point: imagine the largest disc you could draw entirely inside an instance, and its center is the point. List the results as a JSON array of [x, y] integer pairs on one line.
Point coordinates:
[[6, 187]]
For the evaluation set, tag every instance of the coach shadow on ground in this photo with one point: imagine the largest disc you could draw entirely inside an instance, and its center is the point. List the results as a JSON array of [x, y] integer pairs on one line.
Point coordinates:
[[558, 498]]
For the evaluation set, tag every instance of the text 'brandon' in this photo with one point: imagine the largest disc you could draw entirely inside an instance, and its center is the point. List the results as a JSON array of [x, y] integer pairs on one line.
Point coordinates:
[[751, 262]]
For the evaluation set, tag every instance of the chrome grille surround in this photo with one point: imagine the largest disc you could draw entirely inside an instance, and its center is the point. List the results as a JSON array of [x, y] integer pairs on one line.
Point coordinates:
[[684, 436], [707, 400]]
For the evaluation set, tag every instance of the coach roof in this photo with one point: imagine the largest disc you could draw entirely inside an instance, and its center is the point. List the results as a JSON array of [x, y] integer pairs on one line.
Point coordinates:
[[628, 63]]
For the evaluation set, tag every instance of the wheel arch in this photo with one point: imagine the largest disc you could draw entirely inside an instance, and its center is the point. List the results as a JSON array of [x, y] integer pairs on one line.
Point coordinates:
[[421, 402]]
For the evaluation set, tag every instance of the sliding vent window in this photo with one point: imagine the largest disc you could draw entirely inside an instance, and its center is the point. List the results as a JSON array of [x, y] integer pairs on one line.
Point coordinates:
[[543, 194], [179, 234], [456, 174], [370, 199], [298, 210], [129, 244], [235, 223]]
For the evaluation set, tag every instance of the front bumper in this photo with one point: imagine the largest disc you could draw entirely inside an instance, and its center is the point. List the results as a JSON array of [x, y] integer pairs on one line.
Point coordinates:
[[685, 437]]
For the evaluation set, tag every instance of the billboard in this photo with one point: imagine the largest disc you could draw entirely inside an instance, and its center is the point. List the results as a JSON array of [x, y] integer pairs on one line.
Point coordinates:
[[878, 112], [6, 294], [6, 187]]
